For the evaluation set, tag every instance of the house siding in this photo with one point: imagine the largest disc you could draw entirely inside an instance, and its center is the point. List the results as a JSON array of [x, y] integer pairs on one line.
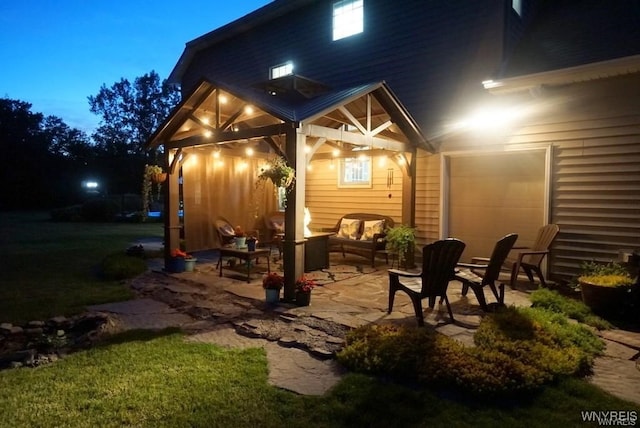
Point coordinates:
[[402, 44]]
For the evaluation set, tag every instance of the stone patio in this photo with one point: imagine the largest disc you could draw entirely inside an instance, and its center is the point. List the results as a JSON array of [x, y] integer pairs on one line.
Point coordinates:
[[301, 341]]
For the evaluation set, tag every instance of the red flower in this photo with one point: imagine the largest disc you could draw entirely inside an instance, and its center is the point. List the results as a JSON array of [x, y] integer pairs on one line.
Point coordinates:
[[304, 284], [273, 281]]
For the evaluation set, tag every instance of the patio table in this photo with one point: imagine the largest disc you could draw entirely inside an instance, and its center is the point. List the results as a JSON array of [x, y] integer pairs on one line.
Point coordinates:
[[245, 254]]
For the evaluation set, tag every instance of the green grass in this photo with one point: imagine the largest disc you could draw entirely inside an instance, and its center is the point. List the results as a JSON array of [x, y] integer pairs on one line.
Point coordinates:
[[146, 379], [50, 269]]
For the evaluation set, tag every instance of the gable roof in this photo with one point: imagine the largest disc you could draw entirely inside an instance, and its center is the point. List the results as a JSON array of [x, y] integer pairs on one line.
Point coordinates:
[[293, 111]]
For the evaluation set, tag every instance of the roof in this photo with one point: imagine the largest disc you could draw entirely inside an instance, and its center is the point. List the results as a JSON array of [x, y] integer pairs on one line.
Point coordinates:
[[260, 16], [570, 33], [294, 110]]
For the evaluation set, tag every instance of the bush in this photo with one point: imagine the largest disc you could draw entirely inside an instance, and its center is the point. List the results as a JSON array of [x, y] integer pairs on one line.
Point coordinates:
[[554, 302], [99, 210], [516, 350], [121, 266]]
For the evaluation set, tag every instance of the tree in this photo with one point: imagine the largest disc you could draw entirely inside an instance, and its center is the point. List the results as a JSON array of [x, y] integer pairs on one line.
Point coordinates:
[[131, 112], [43, 157]]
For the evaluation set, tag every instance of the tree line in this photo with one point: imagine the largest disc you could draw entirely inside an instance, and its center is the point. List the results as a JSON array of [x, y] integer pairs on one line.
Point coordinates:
[[45, 160]]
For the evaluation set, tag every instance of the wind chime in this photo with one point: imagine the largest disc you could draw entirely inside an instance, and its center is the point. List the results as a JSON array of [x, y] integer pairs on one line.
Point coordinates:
[[389, 180]]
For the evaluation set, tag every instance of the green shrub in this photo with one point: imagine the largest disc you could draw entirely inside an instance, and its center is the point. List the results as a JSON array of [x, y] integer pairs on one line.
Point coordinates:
[[516, 350], [555, 302], [99, 210], [121, 266]]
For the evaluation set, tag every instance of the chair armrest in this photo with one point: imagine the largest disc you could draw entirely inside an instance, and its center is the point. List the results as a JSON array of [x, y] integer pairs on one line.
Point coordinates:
[[328, 229], [480, 259], [472, 265], [397, 272]]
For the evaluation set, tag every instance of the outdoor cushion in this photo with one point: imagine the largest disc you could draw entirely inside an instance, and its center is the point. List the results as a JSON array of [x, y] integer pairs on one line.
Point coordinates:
[[349, 228], [371, 227], [227, 230]]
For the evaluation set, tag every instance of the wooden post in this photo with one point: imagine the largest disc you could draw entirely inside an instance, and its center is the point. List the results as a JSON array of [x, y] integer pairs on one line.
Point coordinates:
[[171, 205], [293, 243]]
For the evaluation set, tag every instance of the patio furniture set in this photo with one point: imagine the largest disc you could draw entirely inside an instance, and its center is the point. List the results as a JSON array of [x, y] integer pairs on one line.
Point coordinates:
[[363, 234]]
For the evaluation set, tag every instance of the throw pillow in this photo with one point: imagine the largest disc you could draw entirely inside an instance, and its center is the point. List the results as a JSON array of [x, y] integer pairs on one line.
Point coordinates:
[[371, 227], [349, 228]]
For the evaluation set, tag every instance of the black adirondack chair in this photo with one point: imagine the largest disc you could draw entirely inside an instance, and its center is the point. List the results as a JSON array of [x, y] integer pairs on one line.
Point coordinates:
[[439, 260], [477, 276]]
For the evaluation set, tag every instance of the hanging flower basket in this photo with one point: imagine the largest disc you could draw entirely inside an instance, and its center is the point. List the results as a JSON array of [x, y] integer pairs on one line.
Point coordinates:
[[280, 174], [159, 177]]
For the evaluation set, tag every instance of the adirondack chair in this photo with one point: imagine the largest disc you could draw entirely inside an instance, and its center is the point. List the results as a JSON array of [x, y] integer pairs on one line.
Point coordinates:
[[439, 260], [477, 276], [529, 259]]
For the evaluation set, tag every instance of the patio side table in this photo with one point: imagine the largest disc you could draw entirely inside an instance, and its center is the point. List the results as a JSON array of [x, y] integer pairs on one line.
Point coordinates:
[[245, 254]]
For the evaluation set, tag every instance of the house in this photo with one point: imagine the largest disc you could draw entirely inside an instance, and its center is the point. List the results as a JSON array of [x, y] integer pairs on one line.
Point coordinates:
[[470, 119]]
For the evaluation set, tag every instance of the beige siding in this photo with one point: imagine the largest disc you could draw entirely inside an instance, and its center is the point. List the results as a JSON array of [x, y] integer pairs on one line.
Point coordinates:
[[327, 203], [427, 198]]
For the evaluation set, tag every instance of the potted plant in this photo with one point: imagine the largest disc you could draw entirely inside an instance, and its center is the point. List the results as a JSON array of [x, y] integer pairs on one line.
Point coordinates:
[[177, 261], [153, 174], [605, 288], [401, 240], [240, 237], [280, 174], [303, 289], [272, 284]]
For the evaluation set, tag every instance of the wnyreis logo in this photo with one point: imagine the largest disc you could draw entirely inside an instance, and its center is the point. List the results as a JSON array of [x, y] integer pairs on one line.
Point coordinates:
[[618, 418]]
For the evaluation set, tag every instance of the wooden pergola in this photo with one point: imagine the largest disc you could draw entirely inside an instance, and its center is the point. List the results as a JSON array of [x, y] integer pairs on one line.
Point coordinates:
[[283, 117]]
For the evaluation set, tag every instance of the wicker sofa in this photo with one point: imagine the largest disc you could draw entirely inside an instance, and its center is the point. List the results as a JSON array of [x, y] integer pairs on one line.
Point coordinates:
[[358, 233]]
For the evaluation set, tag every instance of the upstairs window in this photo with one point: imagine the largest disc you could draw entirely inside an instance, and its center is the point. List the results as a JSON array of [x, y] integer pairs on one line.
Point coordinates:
[[517, 6], [281, 70], [348, 18]]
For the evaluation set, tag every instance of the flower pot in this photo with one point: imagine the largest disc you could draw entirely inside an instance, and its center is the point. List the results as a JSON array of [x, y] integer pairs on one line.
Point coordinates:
[[303, 298], [175, 265], [272, 295], [159, 178], [604, 301], [251, 244], [241, 242], [190, 264]]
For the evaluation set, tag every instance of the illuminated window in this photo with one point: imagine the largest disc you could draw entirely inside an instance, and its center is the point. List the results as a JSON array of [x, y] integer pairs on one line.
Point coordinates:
[[517, 6], [281, 70], [348, 18], [355, 172]]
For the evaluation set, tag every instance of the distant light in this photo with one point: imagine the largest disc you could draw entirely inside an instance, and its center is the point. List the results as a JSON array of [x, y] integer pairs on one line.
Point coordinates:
[[90, 184], [249, 151], [248, 109], [307, 149], [222, 99], [336, 153]]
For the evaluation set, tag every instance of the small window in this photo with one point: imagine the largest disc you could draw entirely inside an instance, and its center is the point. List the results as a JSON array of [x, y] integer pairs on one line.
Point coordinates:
[[355, 172], [348, 18], [281, 70]]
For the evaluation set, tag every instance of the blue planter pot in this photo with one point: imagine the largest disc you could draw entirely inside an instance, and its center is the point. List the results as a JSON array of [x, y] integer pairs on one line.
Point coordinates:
[[272, 295], [175, 265]]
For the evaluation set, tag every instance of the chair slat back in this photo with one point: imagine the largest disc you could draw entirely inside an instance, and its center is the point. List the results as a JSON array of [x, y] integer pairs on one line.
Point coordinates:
[[439, 260], [546, 235], [498, 256]]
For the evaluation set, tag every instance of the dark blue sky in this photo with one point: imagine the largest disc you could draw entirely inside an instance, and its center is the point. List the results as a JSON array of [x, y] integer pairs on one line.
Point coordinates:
[[56, 53]]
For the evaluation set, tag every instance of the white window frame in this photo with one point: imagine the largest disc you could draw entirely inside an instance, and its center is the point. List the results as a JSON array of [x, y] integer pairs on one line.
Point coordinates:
[[355, 172], [281, 70], [348, 18]]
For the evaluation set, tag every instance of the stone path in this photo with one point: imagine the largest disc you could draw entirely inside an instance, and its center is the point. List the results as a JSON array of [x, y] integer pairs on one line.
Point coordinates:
[[300, 341]]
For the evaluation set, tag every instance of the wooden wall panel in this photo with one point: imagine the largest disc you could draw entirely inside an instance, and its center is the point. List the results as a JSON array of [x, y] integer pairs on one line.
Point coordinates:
[[327, 203]]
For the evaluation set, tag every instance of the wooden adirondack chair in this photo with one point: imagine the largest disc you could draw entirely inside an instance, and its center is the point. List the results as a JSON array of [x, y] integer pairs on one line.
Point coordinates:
[[478, 275], [439, 260], [530, 258]]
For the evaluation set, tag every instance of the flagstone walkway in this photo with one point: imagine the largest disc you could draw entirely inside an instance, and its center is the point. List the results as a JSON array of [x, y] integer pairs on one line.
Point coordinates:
[[300, 341]]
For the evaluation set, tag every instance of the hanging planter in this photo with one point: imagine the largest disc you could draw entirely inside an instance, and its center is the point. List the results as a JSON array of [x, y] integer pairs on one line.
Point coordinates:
[[159, 177], [279, 173], [153, 176]]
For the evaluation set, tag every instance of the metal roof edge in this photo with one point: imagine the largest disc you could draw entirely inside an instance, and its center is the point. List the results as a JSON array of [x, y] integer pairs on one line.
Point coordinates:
[[580, 73]]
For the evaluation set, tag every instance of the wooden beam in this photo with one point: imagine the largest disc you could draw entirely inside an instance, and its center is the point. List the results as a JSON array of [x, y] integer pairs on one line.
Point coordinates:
[[353, 138], [226, 136]]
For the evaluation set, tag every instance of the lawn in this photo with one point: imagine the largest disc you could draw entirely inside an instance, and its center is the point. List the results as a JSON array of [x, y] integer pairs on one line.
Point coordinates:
[[158, 379], [49, 268]]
